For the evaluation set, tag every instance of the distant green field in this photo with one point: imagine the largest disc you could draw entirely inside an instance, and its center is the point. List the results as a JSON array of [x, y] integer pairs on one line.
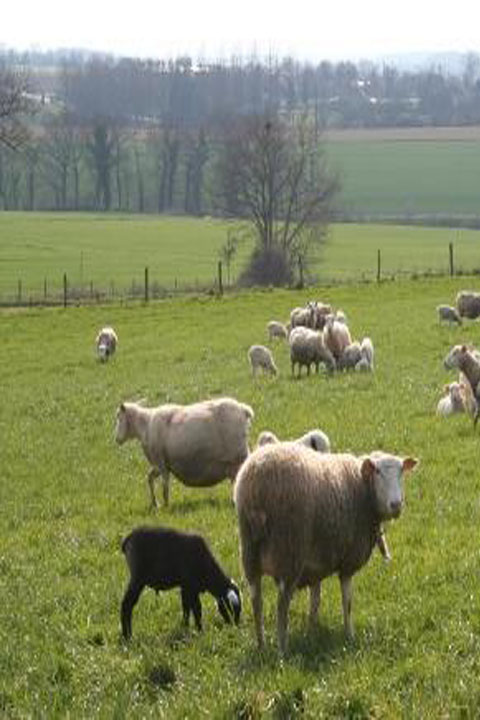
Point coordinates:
[[408, 177], [113, 251]]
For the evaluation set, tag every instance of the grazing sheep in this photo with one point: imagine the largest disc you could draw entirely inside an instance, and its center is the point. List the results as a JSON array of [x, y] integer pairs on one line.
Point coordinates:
[[276, 329], [350, 356], [365, 364], [307, 347], [304, 516], [106, 343], [315, 439], [336, 337], [201, 443], [162, 558], [448, 313], [261, 357], [453, 400], [467, 360], [468, 304]]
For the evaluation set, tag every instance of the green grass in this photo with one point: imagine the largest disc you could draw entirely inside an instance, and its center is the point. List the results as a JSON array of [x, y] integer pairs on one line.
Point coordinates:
[[408, 177], [68, 495], [111, 250]]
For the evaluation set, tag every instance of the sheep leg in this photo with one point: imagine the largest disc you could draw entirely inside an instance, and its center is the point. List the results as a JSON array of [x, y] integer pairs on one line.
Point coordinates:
[[165, 486], [196, 607], [257, 606], [152, 475], [128, 603], [315, 589], [285, 593], [346, 585]]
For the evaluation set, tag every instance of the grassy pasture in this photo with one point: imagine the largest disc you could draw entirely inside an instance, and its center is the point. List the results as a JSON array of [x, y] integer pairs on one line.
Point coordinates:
[[68, 495], [106, 249]]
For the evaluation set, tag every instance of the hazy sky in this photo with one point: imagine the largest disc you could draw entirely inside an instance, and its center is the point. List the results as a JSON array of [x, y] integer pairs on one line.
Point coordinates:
[[334, 29]]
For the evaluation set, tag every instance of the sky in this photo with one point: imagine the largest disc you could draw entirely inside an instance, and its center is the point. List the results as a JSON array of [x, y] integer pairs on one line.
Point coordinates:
[[211, 29]]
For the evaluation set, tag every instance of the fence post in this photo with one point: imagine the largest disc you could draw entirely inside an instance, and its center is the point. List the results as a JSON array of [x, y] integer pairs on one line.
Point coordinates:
[[19, 292], [220, 283], [450, 252], [45, 290], [379, 265], [146, 284], [64, 290]]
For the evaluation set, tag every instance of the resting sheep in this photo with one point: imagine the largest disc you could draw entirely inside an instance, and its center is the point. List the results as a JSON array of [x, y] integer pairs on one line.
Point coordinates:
[[307, 347], [468, 304], [453, 400], [304, 516], [448, 313], [106, 343], [201, 443], [276, 329], [467, 360], [162, 558], [315, 439], [260, 357]]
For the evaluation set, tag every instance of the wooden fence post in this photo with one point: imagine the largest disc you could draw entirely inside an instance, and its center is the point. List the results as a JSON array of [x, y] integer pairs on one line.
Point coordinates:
[[146, 284], [220, 282], [450, 252], [45, 290], [64, 290], [19, 292], [379, 265]]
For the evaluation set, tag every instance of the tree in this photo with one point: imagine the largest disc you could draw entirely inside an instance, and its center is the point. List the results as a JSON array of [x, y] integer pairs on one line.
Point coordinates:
[[274, 176], [14, 105]]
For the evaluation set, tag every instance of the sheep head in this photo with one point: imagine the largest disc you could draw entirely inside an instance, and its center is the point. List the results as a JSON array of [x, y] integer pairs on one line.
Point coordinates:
[[384, 473]]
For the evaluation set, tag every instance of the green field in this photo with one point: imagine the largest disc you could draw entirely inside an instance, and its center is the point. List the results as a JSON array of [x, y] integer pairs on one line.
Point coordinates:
[[68, 495], [408, 173], [112, 251]]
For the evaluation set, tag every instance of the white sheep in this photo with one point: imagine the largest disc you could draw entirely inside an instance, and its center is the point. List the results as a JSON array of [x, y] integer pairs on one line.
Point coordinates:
[[448, 313], [365, 364], [276, 329], [307, 347], [260, 357], [302, 316], [304, 516], [315, 439], [106, 343], [336, 337], [351, 355], [201, 444], [454, 399], [468, 304]]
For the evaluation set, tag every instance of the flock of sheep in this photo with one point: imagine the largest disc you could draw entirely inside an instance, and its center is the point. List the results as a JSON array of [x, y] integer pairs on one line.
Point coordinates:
[[316, 335], [304, 513]]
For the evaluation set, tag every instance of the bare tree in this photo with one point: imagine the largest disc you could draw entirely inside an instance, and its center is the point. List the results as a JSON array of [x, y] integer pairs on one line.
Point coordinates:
[[275, 176], [15, 104]]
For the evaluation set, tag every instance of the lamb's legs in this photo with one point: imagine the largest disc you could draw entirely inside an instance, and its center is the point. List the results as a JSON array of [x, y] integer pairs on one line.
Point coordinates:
[[285, 593], [129, 601], [191, 603], [315, 589], [256, 597], [346, 585]]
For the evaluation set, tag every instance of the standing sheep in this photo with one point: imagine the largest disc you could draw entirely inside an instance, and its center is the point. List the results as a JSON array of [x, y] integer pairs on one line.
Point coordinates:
[[304, 516], [448, 313], [468, 304], [201, 444], [307, 347], [162, 558], [336, 337], [106, 343], [365, 364], [261, 357], [467, 360], [350, 356], [276, 329]]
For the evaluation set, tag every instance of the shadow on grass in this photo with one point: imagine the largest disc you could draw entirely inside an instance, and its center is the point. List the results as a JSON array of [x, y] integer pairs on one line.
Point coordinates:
[[197, 504]]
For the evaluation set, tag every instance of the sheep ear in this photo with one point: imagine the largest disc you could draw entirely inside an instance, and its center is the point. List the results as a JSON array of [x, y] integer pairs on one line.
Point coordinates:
[[122, 407], [464, 348], [409, 463], [368, 468]]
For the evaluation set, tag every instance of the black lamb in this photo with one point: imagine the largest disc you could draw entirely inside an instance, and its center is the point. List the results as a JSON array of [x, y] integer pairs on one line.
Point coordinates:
[[163, 558]]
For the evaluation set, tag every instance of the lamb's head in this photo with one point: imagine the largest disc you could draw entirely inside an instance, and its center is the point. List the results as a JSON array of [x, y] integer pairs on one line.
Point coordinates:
[[230, 604], [124, 424], [385, 474]]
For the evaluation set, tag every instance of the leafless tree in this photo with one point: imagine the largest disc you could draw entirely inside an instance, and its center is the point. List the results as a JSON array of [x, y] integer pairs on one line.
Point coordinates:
[[274, 175], [15, 104]]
